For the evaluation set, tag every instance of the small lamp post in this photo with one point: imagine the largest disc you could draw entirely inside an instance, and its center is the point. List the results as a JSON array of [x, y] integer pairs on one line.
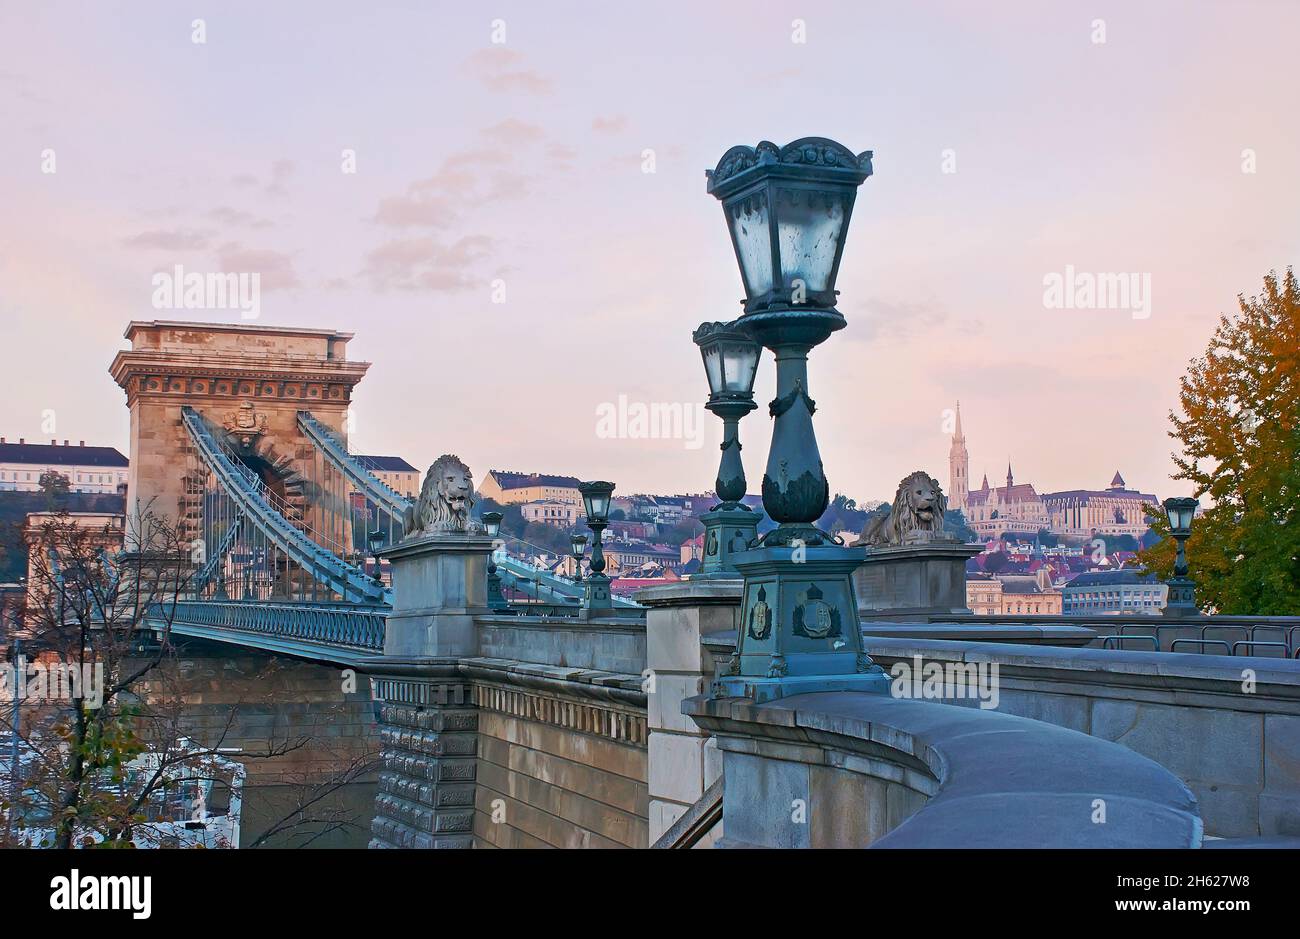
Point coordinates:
[[787, 211], [595, 499], [375, 541], [1182, 589], [577, 548], [495, 598], [730, 364]]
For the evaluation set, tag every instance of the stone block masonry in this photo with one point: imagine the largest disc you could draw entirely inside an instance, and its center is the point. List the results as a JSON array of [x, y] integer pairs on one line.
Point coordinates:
[[429, 730]]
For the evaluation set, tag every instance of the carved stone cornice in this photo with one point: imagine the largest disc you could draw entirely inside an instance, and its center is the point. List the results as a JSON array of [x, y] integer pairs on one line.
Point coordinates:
[[190, 375]]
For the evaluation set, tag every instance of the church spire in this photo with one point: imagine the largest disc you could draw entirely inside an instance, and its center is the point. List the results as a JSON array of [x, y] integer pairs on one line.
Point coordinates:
[[958, 467], [1010, 479]]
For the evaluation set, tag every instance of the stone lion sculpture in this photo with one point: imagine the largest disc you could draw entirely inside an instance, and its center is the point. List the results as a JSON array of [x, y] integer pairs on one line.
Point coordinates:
[[445, 500], [916, 515]]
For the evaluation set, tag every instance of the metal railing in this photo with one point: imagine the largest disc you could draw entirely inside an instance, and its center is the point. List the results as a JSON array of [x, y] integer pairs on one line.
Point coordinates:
[[1247, 632], [353, 627]]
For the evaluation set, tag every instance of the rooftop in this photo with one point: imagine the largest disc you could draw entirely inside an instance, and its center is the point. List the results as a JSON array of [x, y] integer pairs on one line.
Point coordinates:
[[64, 454], [508, 479], [386, 464]]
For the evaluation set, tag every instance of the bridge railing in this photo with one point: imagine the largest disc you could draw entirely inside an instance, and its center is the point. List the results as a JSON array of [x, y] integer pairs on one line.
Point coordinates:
[[353, 627], [1212, 634]]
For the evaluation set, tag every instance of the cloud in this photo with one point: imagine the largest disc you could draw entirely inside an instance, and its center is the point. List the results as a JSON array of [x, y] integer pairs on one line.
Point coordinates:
[[426, 264], [501, 70], [902, 320], [513, 132], [281, 170], [476, 177], [237, 218], [609, 125], [173, 240], [275, 267]]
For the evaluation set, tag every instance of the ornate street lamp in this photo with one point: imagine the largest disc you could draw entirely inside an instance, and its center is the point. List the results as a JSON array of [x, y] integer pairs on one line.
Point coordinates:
[[1182, 589], [577, 548], [495, 599], [375, 541], [595, 499], [788, 210], [730, 364]]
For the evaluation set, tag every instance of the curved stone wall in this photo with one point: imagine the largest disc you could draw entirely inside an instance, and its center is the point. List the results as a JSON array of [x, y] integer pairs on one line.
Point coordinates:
[[842, 770]]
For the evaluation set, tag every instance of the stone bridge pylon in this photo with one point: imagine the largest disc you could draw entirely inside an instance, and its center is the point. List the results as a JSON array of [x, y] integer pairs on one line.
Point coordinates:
[[248, 382]]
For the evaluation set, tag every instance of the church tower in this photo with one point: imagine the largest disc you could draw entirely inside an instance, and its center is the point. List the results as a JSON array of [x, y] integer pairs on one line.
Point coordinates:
[[958, 468]]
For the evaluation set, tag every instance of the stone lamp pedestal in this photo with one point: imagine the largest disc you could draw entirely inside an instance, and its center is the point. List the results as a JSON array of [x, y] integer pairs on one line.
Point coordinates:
[[439, 585], [727, 532], [913, 581], [799, 626]]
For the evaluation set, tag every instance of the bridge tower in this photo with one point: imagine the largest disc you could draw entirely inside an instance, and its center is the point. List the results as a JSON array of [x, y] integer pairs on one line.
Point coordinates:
[[249, 381]]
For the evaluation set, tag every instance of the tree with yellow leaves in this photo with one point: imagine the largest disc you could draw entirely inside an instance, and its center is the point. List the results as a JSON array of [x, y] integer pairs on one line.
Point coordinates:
[[1240, 438]]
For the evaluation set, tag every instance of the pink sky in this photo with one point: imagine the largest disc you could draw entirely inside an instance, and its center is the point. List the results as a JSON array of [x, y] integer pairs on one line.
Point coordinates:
[[523, 162]]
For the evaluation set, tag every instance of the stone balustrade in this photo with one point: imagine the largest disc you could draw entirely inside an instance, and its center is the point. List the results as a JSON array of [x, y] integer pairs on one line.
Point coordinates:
[[848, 770]]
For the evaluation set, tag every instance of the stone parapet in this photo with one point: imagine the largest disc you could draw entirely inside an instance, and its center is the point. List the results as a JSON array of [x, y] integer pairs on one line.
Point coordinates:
[[683, 760], [843, 770]]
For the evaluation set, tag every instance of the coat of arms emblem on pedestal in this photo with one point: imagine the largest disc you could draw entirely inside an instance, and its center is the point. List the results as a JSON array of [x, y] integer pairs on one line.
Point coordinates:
[[815, 618], [760, 617]]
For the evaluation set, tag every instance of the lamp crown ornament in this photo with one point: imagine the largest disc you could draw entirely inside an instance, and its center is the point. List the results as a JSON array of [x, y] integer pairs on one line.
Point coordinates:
[[788, 209]]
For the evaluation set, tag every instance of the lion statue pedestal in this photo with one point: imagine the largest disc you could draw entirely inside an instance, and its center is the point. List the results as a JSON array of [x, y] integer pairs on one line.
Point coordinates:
[[439, 570], [913, 569]]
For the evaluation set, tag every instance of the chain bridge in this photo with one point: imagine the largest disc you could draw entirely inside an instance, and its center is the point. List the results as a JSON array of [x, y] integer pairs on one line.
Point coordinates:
[[241, 432]]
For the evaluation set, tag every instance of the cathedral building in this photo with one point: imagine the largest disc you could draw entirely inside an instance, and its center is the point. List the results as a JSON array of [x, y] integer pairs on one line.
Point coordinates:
[[1018, 509]]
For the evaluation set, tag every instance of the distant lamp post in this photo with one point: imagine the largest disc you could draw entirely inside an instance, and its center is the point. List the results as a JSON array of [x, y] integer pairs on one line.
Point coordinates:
[[730, 364], [495, 598], [787, 211], [577, 547], [375, 541], [596, 497], [1182, 589]]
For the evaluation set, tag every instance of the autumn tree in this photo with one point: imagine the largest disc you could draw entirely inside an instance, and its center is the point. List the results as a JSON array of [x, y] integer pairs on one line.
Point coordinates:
[[1239, 433], [108, 615]]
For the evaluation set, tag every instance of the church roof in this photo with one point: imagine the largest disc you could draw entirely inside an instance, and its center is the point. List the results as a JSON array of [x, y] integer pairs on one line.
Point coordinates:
[[1020, 492]]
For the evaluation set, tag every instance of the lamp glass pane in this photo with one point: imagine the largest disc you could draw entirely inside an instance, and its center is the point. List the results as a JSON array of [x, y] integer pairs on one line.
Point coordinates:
[[713, 366], [809, 228], [739, 364], [750, 224]]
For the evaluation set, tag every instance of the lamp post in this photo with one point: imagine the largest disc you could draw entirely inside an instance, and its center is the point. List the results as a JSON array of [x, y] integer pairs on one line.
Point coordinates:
[[1182, 589], [495, 598], [375, 541], [787, 211], [595, 499], [577, 548], [730, 364]]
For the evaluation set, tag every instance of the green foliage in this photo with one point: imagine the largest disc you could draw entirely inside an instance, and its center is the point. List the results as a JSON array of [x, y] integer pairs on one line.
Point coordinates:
[[1240, 438], [954, 523]]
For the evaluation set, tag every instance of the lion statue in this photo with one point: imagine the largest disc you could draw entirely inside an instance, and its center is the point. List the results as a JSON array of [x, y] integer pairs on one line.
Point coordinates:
[[916, 515], [445, 500]]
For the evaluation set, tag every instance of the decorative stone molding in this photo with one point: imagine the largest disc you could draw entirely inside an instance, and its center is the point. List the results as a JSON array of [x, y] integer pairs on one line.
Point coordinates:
[[619, 724]]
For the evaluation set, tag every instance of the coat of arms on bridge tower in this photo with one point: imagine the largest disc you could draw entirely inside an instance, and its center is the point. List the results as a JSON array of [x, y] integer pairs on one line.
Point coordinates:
[[245, 424]]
